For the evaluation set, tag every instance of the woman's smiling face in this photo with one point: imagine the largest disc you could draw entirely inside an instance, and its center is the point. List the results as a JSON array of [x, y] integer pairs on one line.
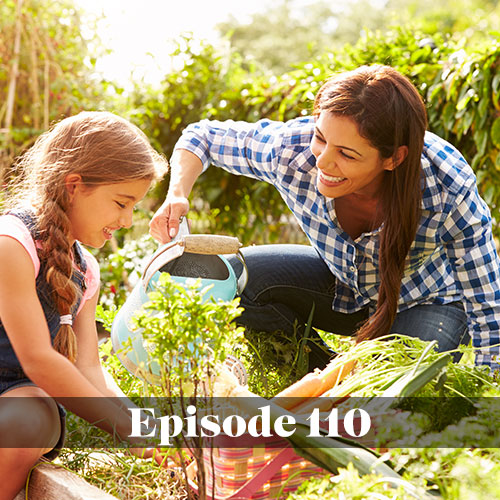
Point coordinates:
[[347, 162]]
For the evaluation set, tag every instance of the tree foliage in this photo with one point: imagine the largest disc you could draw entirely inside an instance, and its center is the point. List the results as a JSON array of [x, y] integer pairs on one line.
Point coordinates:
[[54, 77], [292, 31]]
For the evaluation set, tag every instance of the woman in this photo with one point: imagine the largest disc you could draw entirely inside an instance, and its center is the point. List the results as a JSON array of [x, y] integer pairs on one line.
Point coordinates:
[[400, 239]]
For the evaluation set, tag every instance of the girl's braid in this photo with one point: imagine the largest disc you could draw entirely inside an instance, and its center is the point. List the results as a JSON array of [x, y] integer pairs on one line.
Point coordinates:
[[54, 228]]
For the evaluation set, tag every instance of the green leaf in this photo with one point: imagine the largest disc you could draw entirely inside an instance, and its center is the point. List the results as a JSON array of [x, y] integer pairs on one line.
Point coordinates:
[[481, 139], [495, 133], [449, 115], [411, 383], [462, 103], [489, 194], [495, 82]]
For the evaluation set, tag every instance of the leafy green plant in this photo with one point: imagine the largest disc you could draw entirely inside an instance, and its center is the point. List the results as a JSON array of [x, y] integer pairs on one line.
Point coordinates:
[[122, 268], [187, 337]]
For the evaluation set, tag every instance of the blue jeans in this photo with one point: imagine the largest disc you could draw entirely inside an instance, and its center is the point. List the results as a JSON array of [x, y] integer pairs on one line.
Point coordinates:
[[284, 281]]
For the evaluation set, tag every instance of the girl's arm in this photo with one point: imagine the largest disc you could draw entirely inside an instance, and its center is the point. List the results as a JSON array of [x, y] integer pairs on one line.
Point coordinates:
[[23, 318], [88, 361], [89, 364]]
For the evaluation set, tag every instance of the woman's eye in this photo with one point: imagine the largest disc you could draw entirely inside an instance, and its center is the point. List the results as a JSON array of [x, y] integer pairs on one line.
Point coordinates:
[[121, 205], [319, 138]]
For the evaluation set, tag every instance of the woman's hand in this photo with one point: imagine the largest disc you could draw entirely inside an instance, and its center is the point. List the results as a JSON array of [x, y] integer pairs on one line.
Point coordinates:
[[165, 222]]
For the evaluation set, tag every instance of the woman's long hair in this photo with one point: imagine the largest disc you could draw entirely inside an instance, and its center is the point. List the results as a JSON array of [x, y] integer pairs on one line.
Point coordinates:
[[104, 149], [389, 113]]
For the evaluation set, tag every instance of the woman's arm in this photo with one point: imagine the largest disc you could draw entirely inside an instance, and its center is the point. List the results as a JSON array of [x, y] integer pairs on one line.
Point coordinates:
[[241, 148], [185, 168], [468, 239]]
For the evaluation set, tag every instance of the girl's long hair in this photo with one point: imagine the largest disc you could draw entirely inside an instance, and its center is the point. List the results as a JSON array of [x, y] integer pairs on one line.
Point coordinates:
[[389, 113], [104, 149]]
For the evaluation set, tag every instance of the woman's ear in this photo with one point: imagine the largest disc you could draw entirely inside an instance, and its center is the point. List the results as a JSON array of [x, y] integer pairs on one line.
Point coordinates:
[[400, 155], [396, 160], [72, 182]]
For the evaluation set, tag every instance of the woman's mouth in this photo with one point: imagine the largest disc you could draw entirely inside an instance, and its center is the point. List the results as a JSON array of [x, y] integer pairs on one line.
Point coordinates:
[[330, 180]]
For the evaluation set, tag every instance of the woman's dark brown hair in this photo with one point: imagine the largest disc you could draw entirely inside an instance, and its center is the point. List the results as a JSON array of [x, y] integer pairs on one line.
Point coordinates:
[[389, 113]]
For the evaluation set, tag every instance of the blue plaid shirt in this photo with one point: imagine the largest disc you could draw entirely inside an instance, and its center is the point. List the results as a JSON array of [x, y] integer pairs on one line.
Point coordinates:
[[453, 257]]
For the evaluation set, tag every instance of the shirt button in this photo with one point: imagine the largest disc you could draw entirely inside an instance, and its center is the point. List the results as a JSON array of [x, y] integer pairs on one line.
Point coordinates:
[[352, 269]]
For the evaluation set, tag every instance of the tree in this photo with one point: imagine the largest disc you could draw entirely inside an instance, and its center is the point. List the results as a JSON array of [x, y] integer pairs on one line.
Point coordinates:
[[293, 32], [46, 72]]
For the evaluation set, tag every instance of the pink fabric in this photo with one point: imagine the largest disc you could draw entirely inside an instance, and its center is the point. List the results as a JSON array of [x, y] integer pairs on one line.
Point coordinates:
[[12, 226]]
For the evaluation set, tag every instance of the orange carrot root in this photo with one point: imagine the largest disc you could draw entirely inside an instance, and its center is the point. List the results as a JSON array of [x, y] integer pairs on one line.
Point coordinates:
[[313, 384]]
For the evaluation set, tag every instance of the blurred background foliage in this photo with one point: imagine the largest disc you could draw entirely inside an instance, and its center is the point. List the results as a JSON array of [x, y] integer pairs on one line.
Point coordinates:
[[290, 32], [270, 66]]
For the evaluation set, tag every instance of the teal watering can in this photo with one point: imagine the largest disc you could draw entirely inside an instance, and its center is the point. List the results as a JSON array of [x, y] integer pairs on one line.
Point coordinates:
[[188, 256]]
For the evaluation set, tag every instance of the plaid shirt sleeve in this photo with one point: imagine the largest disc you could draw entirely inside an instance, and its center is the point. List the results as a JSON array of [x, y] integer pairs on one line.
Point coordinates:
[[250, 149], [472, 254]]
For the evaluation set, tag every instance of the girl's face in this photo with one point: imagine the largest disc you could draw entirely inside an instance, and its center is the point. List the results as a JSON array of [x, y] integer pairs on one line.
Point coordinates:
[[96, 212], [347, 163]]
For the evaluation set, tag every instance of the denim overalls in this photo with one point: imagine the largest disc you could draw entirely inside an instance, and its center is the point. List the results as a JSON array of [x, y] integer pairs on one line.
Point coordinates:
[[11, 372]]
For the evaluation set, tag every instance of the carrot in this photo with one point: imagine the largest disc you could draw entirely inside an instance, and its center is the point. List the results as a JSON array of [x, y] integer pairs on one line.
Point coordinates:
[[313, 384], [294, 394], [332, 375], [323, 403]]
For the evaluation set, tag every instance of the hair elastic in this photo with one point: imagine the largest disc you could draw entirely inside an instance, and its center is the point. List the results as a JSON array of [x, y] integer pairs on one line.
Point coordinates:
[[66, 319]]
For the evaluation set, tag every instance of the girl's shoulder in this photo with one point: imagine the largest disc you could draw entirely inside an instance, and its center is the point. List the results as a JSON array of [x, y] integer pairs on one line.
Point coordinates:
[[14, 227]]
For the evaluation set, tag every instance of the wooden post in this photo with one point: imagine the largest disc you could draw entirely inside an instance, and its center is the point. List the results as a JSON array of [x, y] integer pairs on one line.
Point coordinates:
[[46, 95], [11, 95], [49, 482], [35, 92]]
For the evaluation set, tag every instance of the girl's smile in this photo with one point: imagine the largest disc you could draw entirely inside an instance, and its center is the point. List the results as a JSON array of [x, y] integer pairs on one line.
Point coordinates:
[[95, 213]]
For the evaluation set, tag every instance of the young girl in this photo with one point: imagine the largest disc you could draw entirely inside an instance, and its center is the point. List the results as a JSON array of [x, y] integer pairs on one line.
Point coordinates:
[[79, 184], [401, 241]]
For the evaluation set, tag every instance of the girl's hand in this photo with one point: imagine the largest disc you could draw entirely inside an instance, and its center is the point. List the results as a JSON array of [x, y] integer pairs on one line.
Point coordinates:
[[155, 454], [164, 460], [165, 222]]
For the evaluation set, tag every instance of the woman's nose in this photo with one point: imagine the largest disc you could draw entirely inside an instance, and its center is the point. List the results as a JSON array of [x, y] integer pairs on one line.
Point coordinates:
[[325, 160]]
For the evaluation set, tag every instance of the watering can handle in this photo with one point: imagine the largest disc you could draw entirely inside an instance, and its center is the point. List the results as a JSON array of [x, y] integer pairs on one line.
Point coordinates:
[[210, 244]]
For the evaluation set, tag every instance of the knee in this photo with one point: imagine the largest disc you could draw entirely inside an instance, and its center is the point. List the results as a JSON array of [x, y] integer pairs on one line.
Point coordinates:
[[28, 426], [19, 458]]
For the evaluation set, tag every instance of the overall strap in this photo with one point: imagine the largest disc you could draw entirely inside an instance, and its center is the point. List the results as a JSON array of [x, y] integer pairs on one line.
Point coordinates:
[[28, 219]]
